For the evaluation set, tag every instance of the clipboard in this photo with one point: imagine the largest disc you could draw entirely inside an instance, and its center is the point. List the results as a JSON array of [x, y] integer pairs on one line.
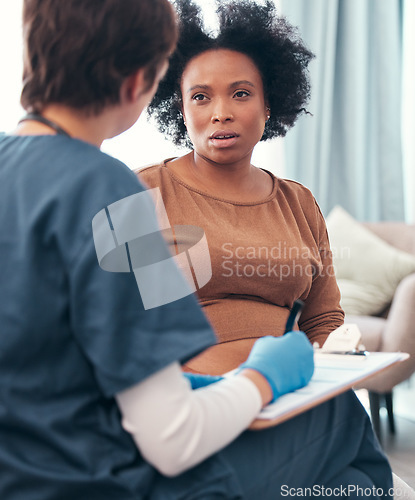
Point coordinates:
[[333, 374]]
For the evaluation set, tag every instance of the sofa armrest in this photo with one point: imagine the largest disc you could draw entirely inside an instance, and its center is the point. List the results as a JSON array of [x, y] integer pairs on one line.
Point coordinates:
[[399, 331], [398, 335]]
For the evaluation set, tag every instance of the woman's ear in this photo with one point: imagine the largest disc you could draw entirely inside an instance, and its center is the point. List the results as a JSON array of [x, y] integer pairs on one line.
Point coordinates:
[[267, 111], [180, 106]]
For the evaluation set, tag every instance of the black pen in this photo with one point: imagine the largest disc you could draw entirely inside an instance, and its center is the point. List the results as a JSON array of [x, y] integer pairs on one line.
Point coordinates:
[[294, 315]]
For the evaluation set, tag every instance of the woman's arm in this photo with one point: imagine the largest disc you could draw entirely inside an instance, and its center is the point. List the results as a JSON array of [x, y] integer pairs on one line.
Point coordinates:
[[175, 428], [323, 312]]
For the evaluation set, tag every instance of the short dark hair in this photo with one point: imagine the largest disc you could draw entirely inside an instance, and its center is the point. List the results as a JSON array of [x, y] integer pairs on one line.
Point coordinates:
[[79, 52], [254, 30]]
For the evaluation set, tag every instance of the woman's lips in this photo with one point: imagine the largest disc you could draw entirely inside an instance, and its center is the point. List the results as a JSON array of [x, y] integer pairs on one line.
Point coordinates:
[[223, 138]]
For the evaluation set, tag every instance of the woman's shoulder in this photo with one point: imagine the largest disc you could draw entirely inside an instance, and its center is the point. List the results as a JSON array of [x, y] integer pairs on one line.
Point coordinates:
[[300, 198], [292, 187], [292, 191], [153, 173]]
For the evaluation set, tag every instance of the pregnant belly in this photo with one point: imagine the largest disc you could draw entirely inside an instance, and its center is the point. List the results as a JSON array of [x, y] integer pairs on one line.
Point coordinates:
[[237, 323]]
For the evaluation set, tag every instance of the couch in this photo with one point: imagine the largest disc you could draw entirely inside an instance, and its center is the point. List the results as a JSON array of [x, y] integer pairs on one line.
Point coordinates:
[[394, 328]]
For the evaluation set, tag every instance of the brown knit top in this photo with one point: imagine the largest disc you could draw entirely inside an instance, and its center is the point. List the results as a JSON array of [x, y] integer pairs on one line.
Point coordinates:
[[264, 256]]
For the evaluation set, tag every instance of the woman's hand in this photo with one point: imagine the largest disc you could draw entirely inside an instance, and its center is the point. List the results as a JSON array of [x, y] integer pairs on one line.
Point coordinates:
[[287, 362]]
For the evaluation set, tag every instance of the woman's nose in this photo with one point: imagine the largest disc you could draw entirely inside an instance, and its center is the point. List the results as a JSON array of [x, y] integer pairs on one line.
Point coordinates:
[[221, 113]]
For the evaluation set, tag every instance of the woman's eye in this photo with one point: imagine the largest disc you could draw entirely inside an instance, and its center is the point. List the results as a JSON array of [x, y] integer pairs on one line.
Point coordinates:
[[199, 97], [241, 93]]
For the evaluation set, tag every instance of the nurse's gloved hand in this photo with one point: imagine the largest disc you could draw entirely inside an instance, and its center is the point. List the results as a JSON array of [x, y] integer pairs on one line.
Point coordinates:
[[198, 380], [286, 362]]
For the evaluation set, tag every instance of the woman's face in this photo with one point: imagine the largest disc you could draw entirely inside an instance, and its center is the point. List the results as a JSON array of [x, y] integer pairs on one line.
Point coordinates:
[[223, 105]]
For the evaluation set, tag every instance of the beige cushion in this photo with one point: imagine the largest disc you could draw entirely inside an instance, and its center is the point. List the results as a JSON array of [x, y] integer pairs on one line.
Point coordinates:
[[368, 270]]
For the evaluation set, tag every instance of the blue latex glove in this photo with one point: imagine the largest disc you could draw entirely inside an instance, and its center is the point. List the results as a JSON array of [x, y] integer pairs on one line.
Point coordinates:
[[198, 380], [286, 362]]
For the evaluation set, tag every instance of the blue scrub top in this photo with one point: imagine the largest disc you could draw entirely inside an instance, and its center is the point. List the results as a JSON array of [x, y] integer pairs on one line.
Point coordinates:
[[71, 334]]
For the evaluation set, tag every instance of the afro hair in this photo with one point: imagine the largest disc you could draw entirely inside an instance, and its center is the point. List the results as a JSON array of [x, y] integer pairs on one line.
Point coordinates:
[[254, 30]]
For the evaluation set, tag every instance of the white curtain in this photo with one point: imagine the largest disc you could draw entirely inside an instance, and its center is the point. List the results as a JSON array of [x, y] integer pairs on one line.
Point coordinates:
[[408, 107], [350, 152]]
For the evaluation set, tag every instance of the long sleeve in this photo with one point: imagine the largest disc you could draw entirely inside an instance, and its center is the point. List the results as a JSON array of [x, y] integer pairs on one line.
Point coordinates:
[[322, 313], [175, 428]]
